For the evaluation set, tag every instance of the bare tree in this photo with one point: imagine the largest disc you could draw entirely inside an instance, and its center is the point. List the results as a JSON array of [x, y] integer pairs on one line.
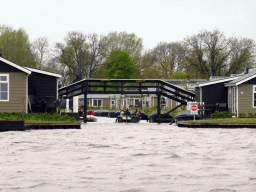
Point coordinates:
[[97, 46], [41, 48], [242, 53], [211, 53], [168, 57], [81, 55]]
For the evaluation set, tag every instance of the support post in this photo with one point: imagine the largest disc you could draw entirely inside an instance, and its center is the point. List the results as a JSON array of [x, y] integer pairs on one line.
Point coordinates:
[[158, 107], [75, 104], [158, 104], [85, 107]]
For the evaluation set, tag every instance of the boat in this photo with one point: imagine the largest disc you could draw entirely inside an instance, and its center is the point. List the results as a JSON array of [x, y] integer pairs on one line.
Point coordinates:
[[165, 117], [127, 119], [90, 118], [186, 115], [101, 113], [144, 116], [112, 114]]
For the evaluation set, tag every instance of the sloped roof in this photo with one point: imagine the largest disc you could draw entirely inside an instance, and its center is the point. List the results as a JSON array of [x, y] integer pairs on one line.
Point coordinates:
[[15, 65], [217, 81], [28, 70], [242, 79], [43, 72]]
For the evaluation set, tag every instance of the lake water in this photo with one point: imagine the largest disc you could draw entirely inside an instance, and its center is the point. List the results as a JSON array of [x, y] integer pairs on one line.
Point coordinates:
[[109, 156]]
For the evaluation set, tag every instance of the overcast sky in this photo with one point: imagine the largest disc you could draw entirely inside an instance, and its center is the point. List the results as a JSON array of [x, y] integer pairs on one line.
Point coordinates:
[[152, 20]]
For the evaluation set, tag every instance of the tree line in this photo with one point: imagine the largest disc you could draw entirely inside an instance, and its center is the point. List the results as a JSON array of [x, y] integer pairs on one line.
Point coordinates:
[[121, 55]]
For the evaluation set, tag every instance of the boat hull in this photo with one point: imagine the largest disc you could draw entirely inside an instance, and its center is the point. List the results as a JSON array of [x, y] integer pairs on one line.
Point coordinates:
[[127, 119]]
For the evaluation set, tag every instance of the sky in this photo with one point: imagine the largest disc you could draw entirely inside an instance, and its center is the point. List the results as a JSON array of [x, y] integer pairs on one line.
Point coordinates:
[[154, 21]]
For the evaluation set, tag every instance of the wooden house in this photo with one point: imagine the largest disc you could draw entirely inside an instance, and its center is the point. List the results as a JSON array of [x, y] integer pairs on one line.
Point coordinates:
[[242, 93], [213, 94], [25, 88], [236, 94]]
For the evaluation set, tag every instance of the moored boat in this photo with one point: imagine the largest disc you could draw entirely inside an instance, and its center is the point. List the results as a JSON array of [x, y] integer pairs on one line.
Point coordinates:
[[165, 117], [112, 114], [90, 118], [128, 119], [186, 115]]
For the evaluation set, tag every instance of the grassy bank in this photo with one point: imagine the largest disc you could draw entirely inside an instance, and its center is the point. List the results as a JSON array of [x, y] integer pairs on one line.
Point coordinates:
[[38, 118], [226, 120]]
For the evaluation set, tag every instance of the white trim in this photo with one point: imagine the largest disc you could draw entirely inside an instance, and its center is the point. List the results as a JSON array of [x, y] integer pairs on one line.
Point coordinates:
[[246, 79], [57, 96], [215, 82], [8, 87], [253, 91], [44, 72], [92, 102], [27, 94], [234, 100], [237, 101], [229, 96], [15, 65], [201, 95]]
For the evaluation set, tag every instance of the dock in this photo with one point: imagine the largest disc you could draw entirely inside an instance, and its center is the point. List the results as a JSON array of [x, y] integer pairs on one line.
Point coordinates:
[[216, 125], [12, 125], [74, 125]]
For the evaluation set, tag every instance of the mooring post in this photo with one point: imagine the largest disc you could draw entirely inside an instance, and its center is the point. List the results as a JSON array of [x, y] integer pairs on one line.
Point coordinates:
[[85, 107]]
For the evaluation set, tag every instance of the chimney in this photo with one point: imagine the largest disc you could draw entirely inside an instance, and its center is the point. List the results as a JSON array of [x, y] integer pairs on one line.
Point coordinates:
[[1, 53], [246, 69]]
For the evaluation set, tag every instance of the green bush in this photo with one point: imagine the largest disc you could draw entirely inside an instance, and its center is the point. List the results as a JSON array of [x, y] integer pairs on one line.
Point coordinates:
[[223, 114], [251, 115], [232, 114], [241, 115]]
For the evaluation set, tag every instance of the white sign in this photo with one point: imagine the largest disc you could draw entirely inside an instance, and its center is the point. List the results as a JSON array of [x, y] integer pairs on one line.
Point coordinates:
[[194, 108]]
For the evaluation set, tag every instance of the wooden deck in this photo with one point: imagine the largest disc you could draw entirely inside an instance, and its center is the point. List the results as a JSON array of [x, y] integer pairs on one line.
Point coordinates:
[[75, 125]]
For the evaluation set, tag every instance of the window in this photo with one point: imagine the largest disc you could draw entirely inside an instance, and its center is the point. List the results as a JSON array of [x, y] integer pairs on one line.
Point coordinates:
[[95, 103], [254, 96], [137, 102], [112, 102], [163, 102], [4, 87]]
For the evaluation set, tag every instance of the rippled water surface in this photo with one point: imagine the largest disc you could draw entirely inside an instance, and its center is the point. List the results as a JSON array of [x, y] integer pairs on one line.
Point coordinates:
[[109, 156]]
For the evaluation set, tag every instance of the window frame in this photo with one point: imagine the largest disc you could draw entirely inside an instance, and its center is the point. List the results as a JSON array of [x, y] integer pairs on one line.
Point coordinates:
[[253, 98], [91, 102], [8, 90]]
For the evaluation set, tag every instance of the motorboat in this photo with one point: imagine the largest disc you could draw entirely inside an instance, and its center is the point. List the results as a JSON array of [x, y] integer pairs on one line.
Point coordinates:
[[101, 113], [112, 114], [165, 117], [90, 118], [127, 119], [143, 115], [186, 115]]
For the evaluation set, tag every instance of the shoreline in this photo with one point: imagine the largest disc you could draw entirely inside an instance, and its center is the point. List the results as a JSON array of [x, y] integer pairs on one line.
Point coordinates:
[[215, 125]]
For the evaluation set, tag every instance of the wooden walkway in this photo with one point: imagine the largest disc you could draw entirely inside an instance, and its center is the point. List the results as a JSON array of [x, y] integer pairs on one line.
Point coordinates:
[[127, 87]]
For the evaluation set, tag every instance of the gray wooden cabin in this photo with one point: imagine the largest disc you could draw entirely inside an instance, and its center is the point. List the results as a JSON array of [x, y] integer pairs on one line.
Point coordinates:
[[27, 88]]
